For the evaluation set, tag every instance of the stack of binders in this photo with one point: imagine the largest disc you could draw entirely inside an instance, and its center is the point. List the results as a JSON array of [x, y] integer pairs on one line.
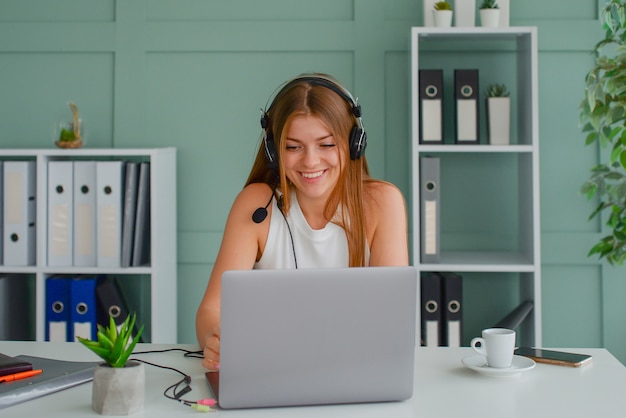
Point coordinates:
[[431, 105], [98, 213], [75, 305], [441, 309]]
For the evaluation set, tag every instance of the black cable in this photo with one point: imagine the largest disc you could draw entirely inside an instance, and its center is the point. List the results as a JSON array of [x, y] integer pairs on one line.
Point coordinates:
[[293, 247], [176, 391]]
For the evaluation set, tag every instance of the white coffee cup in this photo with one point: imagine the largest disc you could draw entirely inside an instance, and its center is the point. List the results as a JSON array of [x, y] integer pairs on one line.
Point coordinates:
[[497, 344]]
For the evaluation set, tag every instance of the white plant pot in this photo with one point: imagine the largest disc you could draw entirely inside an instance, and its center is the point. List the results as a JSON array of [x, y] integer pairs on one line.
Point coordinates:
[[118, 390], [465, 15], [429, 19], [443, 18], [490, 18], [504, 6], [499, 120]]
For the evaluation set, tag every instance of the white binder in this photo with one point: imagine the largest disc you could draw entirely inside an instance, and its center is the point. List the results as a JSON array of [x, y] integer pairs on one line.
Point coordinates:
[[19, 213], [60, 213], [429, 210], [85, 213], [109, 181]]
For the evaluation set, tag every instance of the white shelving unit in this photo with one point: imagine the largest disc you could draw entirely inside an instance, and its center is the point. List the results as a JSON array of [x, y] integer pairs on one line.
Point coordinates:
[[470, 244], [157, 308]]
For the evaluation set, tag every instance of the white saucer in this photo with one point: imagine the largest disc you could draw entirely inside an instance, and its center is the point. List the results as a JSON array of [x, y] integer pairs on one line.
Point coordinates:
[[478, 363]]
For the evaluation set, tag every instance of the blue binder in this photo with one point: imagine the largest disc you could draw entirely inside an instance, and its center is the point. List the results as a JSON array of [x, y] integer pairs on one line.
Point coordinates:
[[57, 309], [83, 308]]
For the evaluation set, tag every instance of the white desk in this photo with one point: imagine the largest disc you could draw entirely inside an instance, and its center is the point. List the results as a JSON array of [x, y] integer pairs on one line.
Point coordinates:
[[443, 388]]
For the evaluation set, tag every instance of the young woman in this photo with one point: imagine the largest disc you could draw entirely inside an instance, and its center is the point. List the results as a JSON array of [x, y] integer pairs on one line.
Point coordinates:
[[309, 200]]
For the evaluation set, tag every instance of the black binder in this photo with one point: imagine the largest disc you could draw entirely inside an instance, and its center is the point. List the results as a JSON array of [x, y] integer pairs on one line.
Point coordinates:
[[430, 287], [110, 302], [431, 106], [515, 318], [452, 312], [466, 106]]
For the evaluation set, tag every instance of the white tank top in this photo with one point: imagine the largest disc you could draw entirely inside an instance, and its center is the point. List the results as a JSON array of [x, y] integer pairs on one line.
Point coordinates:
[[326, 247]]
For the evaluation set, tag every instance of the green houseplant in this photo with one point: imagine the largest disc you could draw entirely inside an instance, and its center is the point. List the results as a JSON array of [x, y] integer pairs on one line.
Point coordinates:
[[603, 120], [489, 4], [498, 114], [118, 384], [443, 5]]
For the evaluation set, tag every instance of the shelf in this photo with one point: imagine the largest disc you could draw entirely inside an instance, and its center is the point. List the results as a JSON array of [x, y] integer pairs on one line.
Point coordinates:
[[488, 195], [153, 287], [481, 148], [481, 261]]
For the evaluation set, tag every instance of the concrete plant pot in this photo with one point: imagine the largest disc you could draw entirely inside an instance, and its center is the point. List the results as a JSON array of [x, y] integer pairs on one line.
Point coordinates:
[[118, 390]]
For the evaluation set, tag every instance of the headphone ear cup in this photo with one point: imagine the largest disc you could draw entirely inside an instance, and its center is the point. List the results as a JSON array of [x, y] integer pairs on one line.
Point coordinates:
[[270, 152], [358, 142]]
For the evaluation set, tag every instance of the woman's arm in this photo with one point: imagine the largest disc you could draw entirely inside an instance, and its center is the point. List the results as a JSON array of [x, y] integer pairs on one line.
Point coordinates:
[[243, 240], [387, 225]]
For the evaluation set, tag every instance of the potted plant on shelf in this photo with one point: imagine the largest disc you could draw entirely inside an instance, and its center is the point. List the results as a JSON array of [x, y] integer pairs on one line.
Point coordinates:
[[442, 14], [70, 133], [118, 384], [489, 13], [498, 114], [602, 117]]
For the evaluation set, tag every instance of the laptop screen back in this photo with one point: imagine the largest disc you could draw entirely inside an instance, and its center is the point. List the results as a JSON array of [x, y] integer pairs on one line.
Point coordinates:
[[317, 336]]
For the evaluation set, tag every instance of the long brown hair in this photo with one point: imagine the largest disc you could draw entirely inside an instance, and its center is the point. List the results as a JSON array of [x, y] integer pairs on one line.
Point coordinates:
[[303, 98]]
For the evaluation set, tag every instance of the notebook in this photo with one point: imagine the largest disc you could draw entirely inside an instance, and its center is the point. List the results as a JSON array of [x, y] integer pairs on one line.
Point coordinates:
[[316, 336], [57, 375]]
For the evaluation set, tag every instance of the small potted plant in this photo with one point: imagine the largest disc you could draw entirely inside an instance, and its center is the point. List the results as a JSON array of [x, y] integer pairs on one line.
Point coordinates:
[[489, 14], [70, 134], [118, 384], [498, 114], [442, 14]]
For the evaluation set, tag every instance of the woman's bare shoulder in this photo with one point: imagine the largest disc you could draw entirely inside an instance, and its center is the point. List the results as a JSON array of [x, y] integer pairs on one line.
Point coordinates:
[[382, 193]]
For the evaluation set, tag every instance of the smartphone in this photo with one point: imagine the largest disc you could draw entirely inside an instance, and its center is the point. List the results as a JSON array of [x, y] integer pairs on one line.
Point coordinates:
[[554, 357]]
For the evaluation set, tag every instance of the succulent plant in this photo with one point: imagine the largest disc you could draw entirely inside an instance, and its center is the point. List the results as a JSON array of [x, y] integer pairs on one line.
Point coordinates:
[[497, 90], [112, 345], [443, 5], [489, 4]]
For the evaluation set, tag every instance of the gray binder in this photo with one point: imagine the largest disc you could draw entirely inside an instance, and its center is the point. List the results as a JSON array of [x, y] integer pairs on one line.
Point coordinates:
[[429, 210], [57, 375]]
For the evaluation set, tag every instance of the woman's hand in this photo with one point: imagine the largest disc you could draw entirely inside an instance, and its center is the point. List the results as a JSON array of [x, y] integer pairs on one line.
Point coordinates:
[[212, 350]]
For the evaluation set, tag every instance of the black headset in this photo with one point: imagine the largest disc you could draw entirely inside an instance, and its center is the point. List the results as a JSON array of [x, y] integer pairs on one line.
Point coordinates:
[[358, 136]]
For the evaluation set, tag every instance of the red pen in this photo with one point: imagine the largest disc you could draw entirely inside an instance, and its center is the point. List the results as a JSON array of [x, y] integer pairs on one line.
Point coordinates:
[[18, 376]]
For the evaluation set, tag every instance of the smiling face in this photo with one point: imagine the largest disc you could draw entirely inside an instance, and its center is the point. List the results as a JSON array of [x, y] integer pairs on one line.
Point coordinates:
[[311, 157]]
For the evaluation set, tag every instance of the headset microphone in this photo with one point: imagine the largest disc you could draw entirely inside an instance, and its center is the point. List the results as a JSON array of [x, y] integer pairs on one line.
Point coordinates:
[[260, 214]]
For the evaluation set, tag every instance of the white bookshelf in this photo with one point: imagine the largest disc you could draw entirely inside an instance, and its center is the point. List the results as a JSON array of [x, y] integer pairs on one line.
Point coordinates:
[[155, 285], [506, 55]]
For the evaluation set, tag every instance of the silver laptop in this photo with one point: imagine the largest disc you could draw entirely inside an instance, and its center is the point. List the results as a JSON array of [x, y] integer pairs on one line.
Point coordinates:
[[316, 336]]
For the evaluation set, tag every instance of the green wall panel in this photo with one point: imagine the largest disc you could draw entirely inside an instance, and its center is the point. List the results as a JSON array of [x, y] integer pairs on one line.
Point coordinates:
[[572, 306], [193, 74], [36, 89]]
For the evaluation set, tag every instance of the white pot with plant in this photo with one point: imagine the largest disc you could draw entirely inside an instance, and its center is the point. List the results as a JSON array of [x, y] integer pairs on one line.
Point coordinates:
[[118, 384], [498, 114], [442, 14], [489, 14]]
